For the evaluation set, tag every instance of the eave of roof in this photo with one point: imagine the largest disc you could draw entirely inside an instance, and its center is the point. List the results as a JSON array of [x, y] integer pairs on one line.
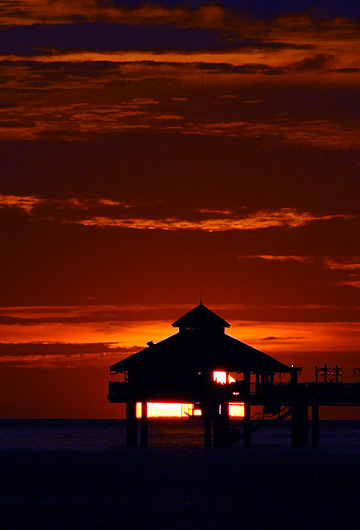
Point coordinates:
[[194, 350]]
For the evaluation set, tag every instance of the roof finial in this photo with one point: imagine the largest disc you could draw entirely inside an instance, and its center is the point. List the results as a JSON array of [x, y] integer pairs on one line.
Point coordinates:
[[201, 303]]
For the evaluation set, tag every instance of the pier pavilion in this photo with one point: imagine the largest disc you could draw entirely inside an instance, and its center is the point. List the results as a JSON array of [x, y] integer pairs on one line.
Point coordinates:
[[180, 369]]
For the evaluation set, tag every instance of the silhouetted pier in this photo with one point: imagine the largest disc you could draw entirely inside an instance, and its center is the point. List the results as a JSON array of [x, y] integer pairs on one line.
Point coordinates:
[[180, 369]]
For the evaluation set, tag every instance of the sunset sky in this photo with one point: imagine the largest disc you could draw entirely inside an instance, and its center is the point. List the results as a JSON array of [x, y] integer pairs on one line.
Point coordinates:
[[153, 151]]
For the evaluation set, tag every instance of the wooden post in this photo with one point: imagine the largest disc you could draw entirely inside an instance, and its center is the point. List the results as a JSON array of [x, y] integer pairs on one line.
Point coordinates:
[[207, 429], [303, 434], [221, 425], [315, 424], [218, 428], [257, 384], [247, 415], [144, 425], [294, 424], [294, 376], [225, 415], [247, 431], [299, 423], [131, 427]]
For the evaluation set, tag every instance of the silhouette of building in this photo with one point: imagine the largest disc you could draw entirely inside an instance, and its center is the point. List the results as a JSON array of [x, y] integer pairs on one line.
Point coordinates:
[[181, 369]]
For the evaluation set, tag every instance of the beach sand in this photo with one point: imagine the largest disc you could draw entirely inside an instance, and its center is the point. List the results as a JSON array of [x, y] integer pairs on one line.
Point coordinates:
[[180, 489]]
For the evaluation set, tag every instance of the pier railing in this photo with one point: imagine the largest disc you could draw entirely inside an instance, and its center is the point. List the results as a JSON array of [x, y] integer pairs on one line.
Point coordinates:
[[118, 391], [270, 395]]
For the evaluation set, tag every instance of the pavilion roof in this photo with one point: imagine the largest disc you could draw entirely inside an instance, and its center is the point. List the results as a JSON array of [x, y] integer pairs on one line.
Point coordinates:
[[190, 352], [200, 317]]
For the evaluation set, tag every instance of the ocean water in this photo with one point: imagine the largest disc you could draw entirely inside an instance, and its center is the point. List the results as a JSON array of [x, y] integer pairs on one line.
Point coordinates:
[[77, 474], [107, 435]]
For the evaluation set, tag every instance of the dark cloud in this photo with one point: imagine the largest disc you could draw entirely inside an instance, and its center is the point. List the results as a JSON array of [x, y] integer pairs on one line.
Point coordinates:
[[41, 39], [259, 8], [346, 70], [250, 68], [114, 316], [272, 338], [64, 68], [316, 62], [62, 349]]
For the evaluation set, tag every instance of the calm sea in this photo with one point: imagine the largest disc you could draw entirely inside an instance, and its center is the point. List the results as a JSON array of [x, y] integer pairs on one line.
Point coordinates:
[[106, 435]]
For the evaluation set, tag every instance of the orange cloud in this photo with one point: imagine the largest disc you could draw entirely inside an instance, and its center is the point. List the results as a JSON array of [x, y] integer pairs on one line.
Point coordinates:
[[81, 118], [350, 264], [295, 45], [317, 133], [28, 12], [16, 201], [299, 336], [32, 315], [29, 203], [214, 210], [105, 333], [255, 59], [270, 257], [352, 283], [288, 217], [207, 16], [78, 120], [44, 346], [254, 221]]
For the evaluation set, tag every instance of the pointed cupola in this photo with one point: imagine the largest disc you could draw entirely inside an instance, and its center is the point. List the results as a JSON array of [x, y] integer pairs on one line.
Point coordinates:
[[201, 319]]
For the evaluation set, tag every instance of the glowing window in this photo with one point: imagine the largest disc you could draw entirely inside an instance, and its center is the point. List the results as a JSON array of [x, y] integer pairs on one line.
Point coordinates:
[[236, 410], [222, 377], [183, 410], [168, 410]]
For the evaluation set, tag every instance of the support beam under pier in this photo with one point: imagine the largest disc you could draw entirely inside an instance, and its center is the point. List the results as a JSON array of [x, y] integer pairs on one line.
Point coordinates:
[[247, 411], [299, 423], [131, 426], [207, 430], [219, 428], [315, 424], [144, 425], [247, 425]]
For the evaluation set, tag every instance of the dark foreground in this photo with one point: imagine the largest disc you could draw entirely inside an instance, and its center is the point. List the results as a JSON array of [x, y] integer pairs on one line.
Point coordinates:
[[264, 487], [157, 488]]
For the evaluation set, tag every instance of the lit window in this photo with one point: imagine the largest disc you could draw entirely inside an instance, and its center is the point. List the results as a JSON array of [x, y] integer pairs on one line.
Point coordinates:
[[168, 410], [222, 377], [236, 410]]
